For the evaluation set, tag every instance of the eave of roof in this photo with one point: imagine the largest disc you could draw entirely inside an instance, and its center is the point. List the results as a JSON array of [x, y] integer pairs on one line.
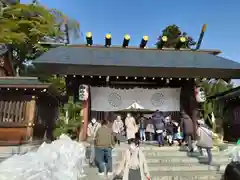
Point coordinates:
[[22, 81], [28, 83]]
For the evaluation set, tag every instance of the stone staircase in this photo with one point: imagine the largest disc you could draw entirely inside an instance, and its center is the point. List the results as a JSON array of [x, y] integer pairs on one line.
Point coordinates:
[[173, 163], [165, 163]]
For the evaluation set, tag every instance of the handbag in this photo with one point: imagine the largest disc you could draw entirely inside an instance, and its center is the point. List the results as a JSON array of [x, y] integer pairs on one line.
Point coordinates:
[[232, 171], [117, 177]]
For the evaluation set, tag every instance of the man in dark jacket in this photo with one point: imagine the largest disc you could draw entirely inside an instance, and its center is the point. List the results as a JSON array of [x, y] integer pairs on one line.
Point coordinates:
[[104, 143], [158, 121], [188, 129]]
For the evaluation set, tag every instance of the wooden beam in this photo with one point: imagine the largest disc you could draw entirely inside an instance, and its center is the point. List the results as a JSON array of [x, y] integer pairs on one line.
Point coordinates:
[[30, 117]]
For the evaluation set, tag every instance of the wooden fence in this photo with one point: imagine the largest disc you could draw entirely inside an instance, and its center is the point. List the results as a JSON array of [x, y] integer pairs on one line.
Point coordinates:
[[12, 111], [17, 116]]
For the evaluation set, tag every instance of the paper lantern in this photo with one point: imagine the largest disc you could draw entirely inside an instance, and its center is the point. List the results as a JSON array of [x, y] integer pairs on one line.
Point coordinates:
[[83, 92]]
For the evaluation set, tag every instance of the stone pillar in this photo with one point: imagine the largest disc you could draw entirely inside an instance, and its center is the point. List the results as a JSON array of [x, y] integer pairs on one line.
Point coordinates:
[[31, 109]]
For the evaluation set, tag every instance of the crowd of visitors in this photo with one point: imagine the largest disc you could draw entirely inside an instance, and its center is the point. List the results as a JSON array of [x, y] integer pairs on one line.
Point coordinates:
[[102, 139]]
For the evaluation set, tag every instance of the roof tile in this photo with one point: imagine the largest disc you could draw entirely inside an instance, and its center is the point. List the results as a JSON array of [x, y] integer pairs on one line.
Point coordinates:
[[134, 58]]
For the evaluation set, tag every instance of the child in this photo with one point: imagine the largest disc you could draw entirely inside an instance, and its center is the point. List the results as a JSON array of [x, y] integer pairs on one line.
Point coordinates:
[[177, 133], [142, 133], [170, 132], [133, 164]]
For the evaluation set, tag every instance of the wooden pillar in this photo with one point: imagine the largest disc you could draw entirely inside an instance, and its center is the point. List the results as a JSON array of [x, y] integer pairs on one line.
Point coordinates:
[[194, 108], [188, 101], [85, 116], [31, 109]]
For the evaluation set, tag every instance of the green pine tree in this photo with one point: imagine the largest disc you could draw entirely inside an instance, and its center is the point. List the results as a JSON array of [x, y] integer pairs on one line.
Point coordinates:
[[72, 124]]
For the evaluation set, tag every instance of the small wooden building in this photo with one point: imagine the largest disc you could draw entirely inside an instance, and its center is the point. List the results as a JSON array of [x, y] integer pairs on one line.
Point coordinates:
[[28, 107], [230, 101], [128, 76], [28, 110]]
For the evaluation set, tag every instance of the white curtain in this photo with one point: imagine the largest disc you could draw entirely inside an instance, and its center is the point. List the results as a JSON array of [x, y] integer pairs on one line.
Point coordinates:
[[110, 99]]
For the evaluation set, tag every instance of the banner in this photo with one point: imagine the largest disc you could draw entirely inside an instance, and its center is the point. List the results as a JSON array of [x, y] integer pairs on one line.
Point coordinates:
[[110, 99]]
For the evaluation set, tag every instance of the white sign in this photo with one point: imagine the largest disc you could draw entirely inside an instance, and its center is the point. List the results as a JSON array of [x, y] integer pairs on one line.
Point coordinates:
[[110, 99]]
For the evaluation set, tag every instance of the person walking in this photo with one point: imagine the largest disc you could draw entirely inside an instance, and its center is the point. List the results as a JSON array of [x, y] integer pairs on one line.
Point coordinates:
[[177, 134], [158, 121], [118, 128], [104, 143], [93, 126], [150, 129], [170, 131], [204, 141], [188, 130], [133, 164], [142, 127], [131, 127]]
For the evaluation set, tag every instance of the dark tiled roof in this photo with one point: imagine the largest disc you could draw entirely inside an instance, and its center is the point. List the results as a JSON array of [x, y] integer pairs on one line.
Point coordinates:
[[134, 58], [28, 83]]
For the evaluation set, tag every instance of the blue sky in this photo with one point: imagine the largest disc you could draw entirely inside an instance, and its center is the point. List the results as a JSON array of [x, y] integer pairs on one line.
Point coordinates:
[[139, 18]]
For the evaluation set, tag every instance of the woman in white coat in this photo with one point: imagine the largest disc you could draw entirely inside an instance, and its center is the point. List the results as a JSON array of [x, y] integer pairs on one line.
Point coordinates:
[[133, 165], [205, 136], [118, 128], [131, 127]]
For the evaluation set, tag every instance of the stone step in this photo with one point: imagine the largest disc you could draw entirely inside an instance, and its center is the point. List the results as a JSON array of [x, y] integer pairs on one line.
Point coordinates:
[[182, 161], [175, 167], [159, 154], [156, 148], [179, 157], [176, 158], [91, 174], [176, 155], [181, 167], [179, 175], [185, 167]]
